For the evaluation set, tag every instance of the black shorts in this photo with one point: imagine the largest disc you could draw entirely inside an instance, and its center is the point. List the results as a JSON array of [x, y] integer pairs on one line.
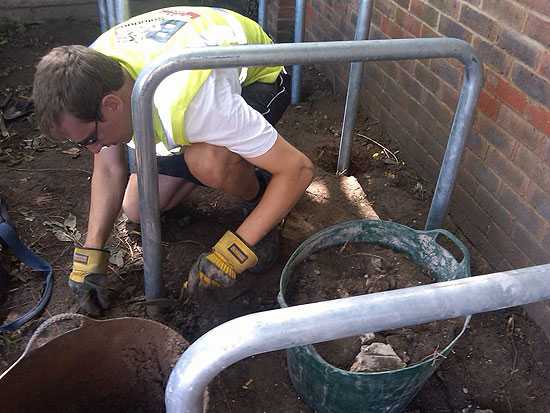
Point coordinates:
[[271, 100]]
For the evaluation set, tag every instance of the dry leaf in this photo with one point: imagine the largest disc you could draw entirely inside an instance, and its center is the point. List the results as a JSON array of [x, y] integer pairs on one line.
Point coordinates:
[[117, 258]]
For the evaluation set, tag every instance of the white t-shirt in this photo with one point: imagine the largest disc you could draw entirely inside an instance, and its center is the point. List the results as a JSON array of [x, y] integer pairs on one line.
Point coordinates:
[[218, 115]]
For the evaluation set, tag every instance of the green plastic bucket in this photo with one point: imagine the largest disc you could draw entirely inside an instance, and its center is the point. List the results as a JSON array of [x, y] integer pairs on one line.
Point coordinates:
[[328, 389]]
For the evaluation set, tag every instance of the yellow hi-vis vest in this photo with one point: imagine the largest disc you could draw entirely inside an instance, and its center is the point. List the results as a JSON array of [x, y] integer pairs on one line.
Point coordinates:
[[142, 39]]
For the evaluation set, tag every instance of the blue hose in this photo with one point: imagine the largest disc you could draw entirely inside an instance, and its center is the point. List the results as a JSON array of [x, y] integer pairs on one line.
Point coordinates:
[[9, 238]]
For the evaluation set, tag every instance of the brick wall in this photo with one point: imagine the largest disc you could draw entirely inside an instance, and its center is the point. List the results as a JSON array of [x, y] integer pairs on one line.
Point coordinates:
[[502, 197], [280, 20]]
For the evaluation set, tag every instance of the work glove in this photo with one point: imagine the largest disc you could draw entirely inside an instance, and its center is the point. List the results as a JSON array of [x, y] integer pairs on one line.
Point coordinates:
[[221, 266], [88, 281]]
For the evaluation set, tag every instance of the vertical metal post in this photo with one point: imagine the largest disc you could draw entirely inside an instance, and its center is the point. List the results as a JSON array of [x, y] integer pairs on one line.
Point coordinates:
[[102, 12], [299, 15], [354, 89], [111, 13], [122, 11], [262, 18], [460, 128]]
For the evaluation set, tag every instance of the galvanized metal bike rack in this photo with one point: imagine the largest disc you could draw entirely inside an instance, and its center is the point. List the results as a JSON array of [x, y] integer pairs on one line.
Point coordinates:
[[112, 12], [354, 83], [302, 53], [329, 320]]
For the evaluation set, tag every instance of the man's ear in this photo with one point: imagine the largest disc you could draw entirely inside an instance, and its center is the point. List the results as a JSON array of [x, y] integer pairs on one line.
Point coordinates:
[[111, 104]]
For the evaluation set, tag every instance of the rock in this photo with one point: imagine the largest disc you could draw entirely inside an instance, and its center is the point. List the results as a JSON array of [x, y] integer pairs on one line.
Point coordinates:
[[377, 357], [366, 338]]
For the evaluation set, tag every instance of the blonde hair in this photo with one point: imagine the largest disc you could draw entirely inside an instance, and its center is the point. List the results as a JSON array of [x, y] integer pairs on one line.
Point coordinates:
[[73, 79]]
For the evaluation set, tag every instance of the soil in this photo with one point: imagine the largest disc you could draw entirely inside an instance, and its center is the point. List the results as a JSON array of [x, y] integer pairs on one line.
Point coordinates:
[[502, 363], [354, 269]]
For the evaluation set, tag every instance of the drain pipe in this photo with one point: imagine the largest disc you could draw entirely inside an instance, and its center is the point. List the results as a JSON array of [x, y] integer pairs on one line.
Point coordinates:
[[330, 320], [354, 88], [299, 17], [284, 54], [262, 20]]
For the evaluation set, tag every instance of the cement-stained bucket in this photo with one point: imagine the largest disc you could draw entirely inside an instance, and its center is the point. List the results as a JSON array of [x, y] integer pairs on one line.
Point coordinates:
[[116, 365], [328, 389]]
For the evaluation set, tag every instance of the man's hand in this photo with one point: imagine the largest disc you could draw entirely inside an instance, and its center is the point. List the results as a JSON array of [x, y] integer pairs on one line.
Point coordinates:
[[221, 266], [88, 280]]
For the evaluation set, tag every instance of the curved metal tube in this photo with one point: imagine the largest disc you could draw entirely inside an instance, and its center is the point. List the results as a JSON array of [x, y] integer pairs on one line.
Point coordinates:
[[330, 320], [262, 18], [284, 54], [299, 27], [460, 128], [354, 88]]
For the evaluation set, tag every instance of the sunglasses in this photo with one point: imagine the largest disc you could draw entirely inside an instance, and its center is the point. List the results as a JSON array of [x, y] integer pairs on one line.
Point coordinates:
[[90, 140]]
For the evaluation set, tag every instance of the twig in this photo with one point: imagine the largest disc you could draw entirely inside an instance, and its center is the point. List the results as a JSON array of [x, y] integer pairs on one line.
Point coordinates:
[[365, 253], [341, 250], [187, 241], [386, 150], [45, 170]]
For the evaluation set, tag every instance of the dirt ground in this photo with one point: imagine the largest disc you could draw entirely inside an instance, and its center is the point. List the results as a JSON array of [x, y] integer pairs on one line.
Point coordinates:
[[502, 363]]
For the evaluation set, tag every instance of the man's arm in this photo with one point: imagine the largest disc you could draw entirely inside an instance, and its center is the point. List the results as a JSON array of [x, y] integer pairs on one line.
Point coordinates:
[[109, 179], [292, 172]]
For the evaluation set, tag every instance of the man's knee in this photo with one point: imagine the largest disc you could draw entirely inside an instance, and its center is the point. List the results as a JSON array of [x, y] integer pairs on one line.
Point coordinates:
[[209, 163], [131, 210]]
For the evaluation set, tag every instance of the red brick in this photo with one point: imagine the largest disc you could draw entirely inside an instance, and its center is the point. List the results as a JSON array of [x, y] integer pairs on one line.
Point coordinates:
[[450, 28], [475, 214], [511, 95], [539, 200], [424, 12], [477, 144], [501, 140], [506, 11], [520, 46], [507, 171], [449, 7], [506, 246], [492, 55], [390, 28], [529, 244], [539, 117], [386, 8], [447, 72], [538, 29], [479, 170], [404, 3], [448, 95], [479, 23], [491, 81], [544, 67], [489, 203], [540, 6], [534, 167], [426, 31], [535, 86], [409, 23], [521, 211], [488, 105], [518, 127]]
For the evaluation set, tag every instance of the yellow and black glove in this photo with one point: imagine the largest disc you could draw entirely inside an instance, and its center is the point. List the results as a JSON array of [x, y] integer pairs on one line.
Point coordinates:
[[221, 266], [88, 280]]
